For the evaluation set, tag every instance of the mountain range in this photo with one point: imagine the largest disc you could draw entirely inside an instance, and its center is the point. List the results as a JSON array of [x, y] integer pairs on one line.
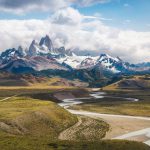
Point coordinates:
[[43, 58]]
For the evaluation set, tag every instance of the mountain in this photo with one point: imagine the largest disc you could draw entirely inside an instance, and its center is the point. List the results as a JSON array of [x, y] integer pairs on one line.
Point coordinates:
[[11, 54], [30, 64], [47, 43], [88, 62], [44, 58], [73, 61], [115, 65], [38, 57], [35, 49]]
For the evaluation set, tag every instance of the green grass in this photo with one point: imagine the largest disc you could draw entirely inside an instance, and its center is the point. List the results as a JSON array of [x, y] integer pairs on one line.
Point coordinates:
[[25, 116], [32, 124], [30, 143], [2, 98]]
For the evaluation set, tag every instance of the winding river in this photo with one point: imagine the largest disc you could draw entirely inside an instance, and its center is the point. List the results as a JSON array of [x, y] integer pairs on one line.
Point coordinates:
[[66, 103]]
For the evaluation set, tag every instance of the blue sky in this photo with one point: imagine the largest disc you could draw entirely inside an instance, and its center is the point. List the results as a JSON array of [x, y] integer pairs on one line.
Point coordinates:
[[124, 14], [127, 14]]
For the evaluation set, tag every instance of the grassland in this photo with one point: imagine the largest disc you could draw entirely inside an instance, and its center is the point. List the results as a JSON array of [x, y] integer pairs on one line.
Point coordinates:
[[23, 119], [27, 122], [129, 83], [35, 143], [30, 143], [32, 115]]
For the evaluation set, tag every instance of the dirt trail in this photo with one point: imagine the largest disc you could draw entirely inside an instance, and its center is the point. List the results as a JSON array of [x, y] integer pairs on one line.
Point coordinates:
[[86, 128], [7, 98], [122, 126]]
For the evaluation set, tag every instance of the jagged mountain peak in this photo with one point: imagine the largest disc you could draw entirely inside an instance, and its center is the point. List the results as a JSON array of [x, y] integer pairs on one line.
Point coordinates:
[[113, 64], [106, 57], [12, 53], [42, 55], [45, 46], [46, 41], [33, 48]]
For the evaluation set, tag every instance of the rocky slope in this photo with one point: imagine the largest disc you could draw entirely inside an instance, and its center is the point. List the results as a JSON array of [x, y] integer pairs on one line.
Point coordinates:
[[43, 58]]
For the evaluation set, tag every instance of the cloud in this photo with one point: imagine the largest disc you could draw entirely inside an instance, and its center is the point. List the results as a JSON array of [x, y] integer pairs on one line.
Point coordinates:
[[99, 16], [15, 32], [66, 16], [80, 34], [23, 6], [90, 2]]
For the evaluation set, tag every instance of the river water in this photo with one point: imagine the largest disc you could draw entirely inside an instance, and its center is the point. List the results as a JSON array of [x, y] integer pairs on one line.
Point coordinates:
[[94, 95]]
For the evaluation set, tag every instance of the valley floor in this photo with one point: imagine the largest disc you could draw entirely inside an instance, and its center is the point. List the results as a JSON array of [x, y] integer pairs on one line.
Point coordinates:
[[119, 124], [41, 123]]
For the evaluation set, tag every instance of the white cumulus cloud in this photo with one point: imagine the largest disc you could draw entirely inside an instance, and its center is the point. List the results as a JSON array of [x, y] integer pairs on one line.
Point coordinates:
[[77, 33], [66, 16]]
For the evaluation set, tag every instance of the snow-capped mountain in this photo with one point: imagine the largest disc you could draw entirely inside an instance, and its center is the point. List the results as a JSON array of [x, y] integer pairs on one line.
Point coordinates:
[[116, 65], [88, 62], [11, 54], [35, 49], [38, 57], [44, 56], [73, 61], [44, 47], [47, 43]]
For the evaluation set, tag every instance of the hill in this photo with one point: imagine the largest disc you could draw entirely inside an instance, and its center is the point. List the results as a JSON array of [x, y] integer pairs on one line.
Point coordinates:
[[31, 119], [24, 80], [131, 83], [26, 116]]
